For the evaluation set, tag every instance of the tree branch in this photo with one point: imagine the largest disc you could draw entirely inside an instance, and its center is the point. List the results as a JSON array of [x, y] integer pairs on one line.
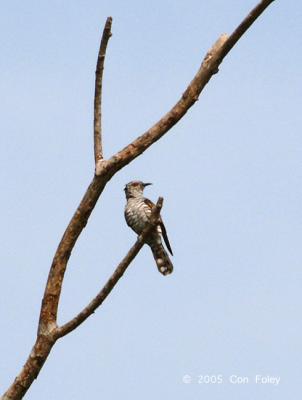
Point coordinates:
[[51, 297], [49, 308], [115, 277], [208, 68], [98, 148], [48, 331], [31, 368], [45, 341]]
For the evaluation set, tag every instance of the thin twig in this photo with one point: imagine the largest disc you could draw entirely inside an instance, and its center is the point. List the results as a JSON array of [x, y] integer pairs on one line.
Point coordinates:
[[115, 277], [98, 147], [244, 26]]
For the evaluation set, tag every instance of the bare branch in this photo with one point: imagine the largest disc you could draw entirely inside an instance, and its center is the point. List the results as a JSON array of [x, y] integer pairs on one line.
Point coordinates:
[[45, 342], [115, 277], [48, 332], [48, 316], [31, 368], [49, 307], [244, 26], [50, 301], [208, 68], [98, 148]]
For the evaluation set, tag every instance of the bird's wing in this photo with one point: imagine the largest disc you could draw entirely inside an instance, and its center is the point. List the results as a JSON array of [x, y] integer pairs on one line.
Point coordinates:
[[161, 225], [149, 205]]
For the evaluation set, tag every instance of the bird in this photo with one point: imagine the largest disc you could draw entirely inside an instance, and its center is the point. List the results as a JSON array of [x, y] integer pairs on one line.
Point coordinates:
[[137, 214]]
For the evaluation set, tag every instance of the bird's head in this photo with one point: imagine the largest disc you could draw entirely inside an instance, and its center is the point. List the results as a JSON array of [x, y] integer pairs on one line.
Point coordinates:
[[135, 188]]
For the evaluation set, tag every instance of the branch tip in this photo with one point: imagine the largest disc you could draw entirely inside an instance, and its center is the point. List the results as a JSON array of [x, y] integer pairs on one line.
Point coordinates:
[[98, 148], [208, 68]]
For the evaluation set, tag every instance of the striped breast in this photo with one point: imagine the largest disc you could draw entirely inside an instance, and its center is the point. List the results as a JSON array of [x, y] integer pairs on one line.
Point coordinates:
[[137, 214]]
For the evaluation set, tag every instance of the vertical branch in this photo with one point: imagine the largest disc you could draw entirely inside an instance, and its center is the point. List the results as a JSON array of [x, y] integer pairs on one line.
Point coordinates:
[[50, 301], [98, 148]]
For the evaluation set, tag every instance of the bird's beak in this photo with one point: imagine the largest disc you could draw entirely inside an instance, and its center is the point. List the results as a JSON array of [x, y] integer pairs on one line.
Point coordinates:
[[147, 184]]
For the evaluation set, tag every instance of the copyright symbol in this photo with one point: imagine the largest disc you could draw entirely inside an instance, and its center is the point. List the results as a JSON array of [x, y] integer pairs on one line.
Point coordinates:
[[187, 378]]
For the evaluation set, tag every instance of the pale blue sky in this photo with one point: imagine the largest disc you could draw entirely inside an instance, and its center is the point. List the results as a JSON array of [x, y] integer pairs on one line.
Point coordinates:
[[230, 173]]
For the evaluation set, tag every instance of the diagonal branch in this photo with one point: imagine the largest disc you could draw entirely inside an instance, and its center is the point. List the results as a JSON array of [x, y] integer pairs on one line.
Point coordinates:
[[98, 148], [115, 277], [104, 171], [45, 341], [51, 297], [208, 68]]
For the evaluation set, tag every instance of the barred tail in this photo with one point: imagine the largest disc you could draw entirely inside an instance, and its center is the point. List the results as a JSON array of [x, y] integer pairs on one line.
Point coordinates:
[[162, 259]]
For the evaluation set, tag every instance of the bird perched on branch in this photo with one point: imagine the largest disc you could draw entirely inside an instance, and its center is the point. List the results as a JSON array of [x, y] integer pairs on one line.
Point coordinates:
[[137, 214]]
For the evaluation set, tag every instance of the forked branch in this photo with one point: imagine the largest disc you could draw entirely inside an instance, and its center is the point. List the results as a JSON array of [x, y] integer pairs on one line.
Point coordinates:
[[115, 277], [48, 331], [46, 340]]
